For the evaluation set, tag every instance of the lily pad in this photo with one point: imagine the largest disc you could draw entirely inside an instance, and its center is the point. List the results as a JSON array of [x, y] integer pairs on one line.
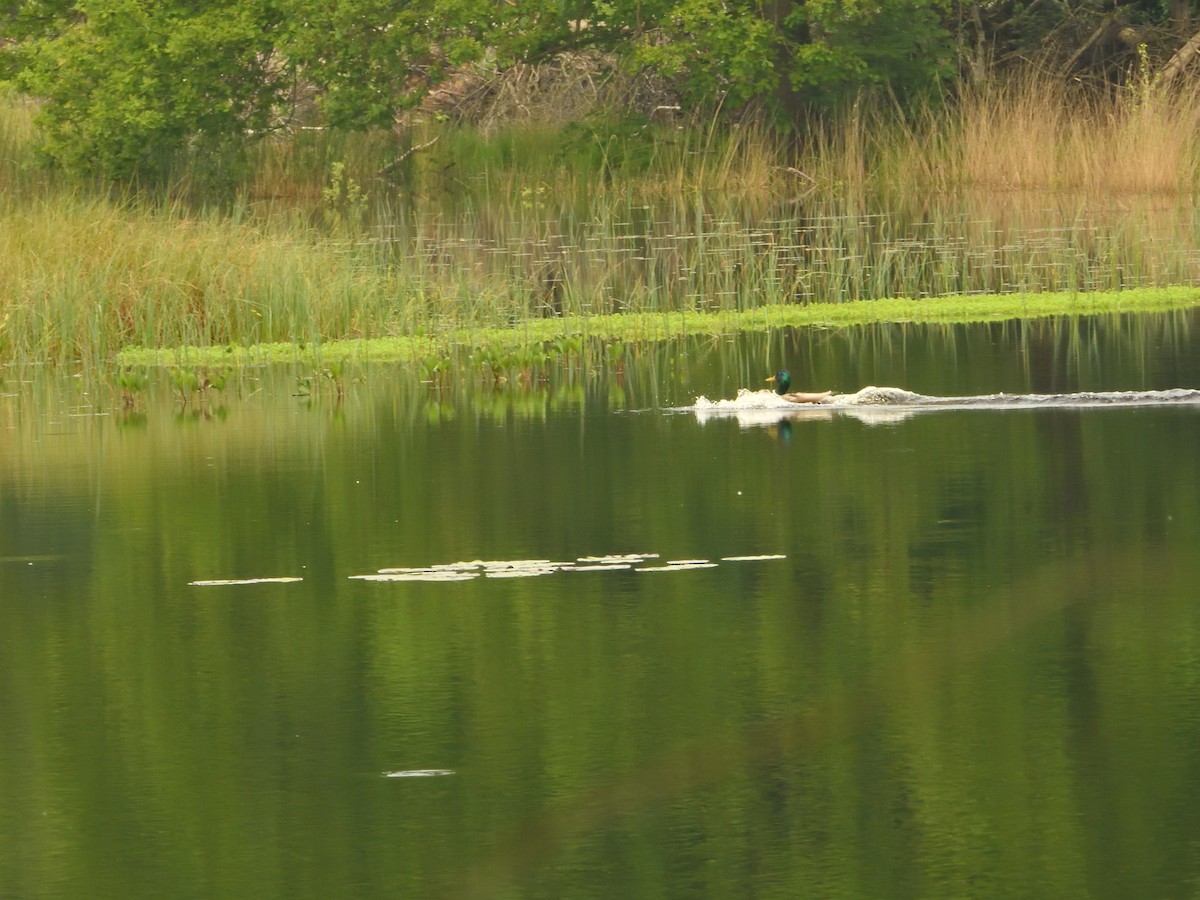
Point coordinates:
[[417, 576]]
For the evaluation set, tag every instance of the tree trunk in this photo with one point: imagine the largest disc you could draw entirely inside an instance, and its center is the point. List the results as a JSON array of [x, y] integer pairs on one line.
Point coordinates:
[[791, 102], [1177, 63], [1181, 14]]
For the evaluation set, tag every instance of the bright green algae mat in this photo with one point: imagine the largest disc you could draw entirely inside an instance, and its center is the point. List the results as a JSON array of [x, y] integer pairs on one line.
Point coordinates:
[[664, 325]]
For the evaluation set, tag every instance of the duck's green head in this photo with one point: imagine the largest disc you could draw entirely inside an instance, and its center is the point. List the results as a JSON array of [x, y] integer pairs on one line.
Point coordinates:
[[783, 381]]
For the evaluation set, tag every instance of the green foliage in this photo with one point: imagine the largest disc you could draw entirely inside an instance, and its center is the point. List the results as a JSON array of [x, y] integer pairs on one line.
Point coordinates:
[[130, 84], [901, 44], [608, 145], [345, 202], [496, 351], [714, 49], [217, 380], [360, 55], [185, 381], [131, 382]]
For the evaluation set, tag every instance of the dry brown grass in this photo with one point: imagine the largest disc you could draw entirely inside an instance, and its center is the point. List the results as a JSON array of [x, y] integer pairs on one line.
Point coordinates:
[[568, 87], [1038, 134], [1027, 138], [1029, 134]]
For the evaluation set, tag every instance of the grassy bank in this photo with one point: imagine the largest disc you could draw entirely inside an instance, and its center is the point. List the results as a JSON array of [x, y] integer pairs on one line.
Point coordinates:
[[511, 347], [354, 244]]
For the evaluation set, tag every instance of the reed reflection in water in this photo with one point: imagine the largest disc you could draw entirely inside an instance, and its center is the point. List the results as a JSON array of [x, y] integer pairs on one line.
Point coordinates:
[[968, 666]]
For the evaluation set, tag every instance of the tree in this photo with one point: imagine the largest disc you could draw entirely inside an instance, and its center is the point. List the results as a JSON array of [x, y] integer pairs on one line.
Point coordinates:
[[131, 83], [128, 83], [799, 55], [368, 58]]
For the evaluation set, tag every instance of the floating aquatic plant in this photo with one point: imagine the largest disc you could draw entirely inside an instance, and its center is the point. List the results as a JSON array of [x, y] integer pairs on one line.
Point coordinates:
[[678, 567], [434, 368], [215, 380], [755, 558], [336, 373], [532, 568], [618, 558], [132, 382], [185, 381], [222, 582], [417, 576]]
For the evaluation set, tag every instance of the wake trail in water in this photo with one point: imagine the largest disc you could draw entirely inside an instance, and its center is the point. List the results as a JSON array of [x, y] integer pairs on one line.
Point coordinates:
[[894, 402]]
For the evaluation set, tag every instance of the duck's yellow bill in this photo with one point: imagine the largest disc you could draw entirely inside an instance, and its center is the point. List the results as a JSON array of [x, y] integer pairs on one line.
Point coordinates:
[[769, 378]]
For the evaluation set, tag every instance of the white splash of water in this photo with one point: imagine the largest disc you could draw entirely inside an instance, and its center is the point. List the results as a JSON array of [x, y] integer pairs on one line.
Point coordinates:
[[745, 399], [894, 397]]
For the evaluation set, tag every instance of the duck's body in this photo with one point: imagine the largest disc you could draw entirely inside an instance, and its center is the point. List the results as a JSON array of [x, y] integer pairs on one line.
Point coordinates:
[[783, 381]]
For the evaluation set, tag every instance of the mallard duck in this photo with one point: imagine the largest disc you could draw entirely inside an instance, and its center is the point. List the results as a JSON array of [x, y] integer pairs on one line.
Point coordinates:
[[783, 381]]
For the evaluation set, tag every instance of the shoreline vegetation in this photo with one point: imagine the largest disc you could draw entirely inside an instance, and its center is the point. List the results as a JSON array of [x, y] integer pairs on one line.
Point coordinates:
[[619, 328], [1019, 201]]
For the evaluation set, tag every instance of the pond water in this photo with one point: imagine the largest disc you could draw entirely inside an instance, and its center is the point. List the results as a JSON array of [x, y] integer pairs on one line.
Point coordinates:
[[962, 658]]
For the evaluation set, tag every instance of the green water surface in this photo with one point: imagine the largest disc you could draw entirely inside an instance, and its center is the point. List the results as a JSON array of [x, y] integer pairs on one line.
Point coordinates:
[[973, 672]]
